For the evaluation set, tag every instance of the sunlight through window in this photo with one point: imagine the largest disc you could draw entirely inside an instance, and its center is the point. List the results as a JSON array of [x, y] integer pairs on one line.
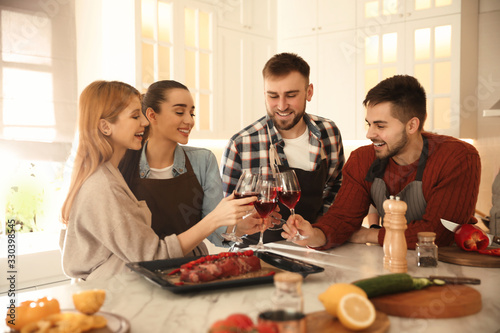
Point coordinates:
[[422, 44], [148, 18], [443, 41], [390, 47], [371, 9], [422, 4], [371, 49], [28, 118], [26, 38], [390, 7], [27, 79], [164, 22]]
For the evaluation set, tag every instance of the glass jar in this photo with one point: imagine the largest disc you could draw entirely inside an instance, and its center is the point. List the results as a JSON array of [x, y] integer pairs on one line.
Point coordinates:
[[427, 251], [287, 294], [287, 315]]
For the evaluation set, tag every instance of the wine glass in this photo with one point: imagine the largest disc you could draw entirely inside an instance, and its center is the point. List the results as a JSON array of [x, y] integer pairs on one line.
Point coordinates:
[[290, 195], [246, 187], [266, 202], [277, 223]]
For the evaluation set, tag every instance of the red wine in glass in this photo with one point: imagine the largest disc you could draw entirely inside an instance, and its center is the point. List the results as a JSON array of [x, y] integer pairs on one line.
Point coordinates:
[[266, 202], [290, 195], [245, 195], [246, 187], [289, 198], [264, 208]]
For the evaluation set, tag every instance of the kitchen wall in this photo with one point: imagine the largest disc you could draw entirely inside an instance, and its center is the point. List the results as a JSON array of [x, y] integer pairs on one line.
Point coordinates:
[[488, 140]]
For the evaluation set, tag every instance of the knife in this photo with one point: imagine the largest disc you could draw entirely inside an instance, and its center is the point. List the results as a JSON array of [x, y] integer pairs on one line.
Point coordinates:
[[455, 280], [452, 226]]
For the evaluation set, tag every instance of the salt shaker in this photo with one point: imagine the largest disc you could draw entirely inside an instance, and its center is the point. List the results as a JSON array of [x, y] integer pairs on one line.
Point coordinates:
[[427, 250]]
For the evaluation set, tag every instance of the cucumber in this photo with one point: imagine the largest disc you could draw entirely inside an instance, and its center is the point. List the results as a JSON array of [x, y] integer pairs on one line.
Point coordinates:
[[391, 284]]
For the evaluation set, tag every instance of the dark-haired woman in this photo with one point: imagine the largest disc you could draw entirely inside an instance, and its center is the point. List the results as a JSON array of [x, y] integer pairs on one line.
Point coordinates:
[[180, 184]]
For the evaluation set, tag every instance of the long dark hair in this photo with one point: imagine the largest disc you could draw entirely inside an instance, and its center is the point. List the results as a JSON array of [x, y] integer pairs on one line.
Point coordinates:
[[156, 94]]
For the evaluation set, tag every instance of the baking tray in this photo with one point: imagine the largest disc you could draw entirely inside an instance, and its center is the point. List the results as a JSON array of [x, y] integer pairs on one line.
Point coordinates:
[[153, 271]]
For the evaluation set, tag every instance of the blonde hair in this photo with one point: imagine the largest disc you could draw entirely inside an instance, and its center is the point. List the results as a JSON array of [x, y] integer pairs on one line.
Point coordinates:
[[99, 100]]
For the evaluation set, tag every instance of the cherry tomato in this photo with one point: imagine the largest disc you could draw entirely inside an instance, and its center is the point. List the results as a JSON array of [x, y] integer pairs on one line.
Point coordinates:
[[240, 320]]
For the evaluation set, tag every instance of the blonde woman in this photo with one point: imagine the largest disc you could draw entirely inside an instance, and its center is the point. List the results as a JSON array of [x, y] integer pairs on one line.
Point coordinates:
[[106, 226]]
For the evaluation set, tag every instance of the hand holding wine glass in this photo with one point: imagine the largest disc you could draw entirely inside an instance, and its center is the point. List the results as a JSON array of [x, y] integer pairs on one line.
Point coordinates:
[[246, 187], [290, 195], [266, 202]]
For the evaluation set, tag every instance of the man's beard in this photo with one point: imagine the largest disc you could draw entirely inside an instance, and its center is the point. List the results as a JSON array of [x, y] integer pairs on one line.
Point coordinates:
[[286, 125], [400, 144]]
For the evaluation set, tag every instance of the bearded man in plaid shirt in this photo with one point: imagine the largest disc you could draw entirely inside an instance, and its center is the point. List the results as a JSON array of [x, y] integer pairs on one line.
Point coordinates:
[[291, 139]]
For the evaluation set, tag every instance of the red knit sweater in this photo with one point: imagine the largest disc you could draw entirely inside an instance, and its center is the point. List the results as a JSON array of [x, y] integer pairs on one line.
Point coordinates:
[[450, 184]]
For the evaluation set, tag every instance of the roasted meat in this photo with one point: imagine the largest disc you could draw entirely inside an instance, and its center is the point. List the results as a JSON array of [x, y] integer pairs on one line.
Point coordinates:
[[223, 265]]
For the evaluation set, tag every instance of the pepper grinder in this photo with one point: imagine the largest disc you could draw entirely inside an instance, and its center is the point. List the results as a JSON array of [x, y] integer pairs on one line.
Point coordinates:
[[387, 226], [398, 247]]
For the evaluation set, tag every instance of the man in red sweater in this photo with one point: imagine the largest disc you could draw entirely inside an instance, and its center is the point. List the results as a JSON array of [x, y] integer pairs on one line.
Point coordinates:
[[436, 175]]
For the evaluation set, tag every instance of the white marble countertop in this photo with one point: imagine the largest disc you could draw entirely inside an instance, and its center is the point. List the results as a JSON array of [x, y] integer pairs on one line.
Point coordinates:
[[152, 309]]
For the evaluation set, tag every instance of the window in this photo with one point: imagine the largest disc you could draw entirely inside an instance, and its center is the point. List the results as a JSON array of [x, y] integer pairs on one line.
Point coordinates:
[[177, 44], [410, 43], [38, 104], [27, 68], [38, 111]]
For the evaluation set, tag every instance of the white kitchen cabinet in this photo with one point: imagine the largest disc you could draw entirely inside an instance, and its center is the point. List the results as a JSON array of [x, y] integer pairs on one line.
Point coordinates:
[[332, 59], [307, 48], [245, 40], [218, 49], [302, 18], [323, 33], [256, 17], [335, 91], [378, 12], [441, 52], [240, 90]]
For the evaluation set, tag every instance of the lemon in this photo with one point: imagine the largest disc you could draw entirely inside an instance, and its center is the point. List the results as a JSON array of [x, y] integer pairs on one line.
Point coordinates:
[[89, 301], [356, 312], [332, 296]]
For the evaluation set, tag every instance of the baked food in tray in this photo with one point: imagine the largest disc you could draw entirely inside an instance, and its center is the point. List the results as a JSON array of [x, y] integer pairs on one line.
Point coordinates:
[[157, 272]]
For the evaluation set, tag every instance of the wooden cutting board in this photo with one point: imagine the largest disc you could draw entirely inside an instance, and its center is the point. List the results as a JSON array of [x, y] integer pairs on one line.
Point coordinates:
[[323, 322], [447, 301], [455, 255]]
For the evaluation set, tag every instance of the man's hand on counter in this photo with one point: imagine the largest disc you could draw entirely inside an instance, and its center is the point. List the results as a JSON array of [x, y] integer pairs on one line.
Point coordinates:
[[365, 235]]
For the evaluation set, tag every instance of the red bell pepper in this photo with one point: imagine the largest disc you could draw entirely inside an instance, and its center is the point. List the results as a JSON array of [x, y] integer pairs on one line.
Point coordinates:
[[491, 252], [471, 238]]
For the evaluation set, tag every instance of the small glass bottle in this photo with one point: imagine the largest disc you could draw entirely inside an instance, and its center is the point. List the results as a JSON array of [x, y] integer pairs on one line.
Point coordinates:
[[427, 251], [287, 294], [288, 305]]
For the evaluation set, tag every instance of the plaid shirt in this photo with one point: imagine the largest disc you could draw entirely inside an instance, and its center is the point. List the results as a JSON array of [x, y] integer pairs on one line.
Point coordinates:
[[249, 149]]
